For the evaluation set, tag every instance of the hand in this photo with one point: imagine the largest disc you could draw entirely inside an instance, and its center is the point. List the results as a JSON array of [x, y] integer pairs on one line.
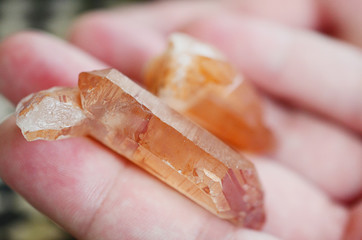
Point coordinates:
[[95, 194]]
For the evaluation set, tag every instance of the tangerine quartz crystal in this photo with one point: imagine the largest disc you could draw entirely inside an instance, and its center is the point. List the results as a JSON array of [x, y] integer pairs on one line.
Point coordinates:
[[195, 79], [134, 123]]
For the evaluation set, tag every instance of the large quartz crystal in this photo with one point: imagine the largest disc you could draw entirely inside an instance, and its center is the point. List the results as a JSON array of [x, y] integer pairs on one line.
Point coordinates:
[[114, 110], [195, 79]]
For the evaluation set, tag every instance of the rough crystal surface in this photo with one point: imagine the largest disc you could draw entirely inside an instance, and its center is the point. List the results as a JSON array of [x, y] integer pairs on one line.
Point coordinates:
[[52, 114], [136, 124], [196, 80]]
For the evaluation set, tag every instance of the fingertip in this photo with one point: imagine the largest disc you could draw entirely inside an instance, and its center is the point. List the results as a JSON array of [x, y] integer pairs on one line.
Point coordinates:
[[12, 51], [32, 61]]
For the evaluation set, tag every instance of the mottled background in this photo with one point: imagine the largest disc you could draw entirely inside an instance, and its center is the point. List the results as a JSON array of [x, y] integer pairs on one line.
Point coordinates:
[[18, 220]]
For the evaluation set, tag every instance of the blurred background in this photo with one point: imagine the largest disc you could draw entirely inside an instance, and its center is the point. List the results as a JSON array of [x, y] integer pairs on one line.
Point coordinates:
[[18, 220]]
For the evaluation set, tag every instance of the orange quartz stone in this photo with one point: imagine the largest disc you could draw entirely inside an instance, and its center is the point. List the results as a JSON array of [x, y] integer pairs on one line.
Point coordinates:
[[134, 123], [195, 79]]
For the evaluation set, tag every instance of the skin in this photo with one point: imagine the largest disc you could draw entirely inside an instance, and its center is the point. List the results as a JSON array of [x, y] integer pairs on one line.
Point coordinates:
[[311, 84]]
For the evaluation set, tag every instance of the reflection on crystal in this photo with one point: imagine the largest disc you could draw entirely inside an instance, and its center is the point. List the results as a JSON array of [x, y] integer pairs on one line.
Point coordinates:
[[196, 80], [134, 123]]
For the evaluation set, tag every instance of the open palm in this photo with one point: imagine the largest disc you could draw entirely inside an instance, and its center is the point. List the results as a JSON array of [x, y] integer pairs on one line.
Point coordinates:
[[312, 88]]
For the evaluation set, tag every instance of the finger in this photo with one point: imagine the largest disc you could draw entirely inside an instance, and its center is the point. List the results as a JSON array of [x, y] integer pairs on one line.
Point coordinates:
[[128, 37], [322, 152], [32, 56], [118, 44], [300, 13], [302, 68], [345, 19], [95, 194], [297, 13], [353, 229], [296, 209]]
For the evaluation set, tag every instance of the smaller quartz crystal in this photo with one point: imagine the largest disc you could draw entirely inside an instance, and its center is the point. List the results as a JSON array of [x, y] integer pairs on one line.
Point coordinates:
[[195, 79], [134, 123]]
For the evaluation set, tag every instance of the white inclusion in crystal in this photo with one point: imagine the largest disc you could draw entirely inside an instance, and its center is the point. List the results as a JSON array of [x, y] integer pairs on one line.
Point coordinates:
[[212, 175], [171, 166], [246, 198], [168, 164], [50, 114], [245, 187], [234, 84], [184, 48], [183, 60], [183, 43]]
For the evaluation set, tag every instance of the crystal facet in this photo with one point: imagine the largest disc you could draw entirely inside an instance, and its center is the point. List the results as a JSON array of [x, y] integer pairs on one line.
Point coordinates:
[[136, 124], [196, 80]]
